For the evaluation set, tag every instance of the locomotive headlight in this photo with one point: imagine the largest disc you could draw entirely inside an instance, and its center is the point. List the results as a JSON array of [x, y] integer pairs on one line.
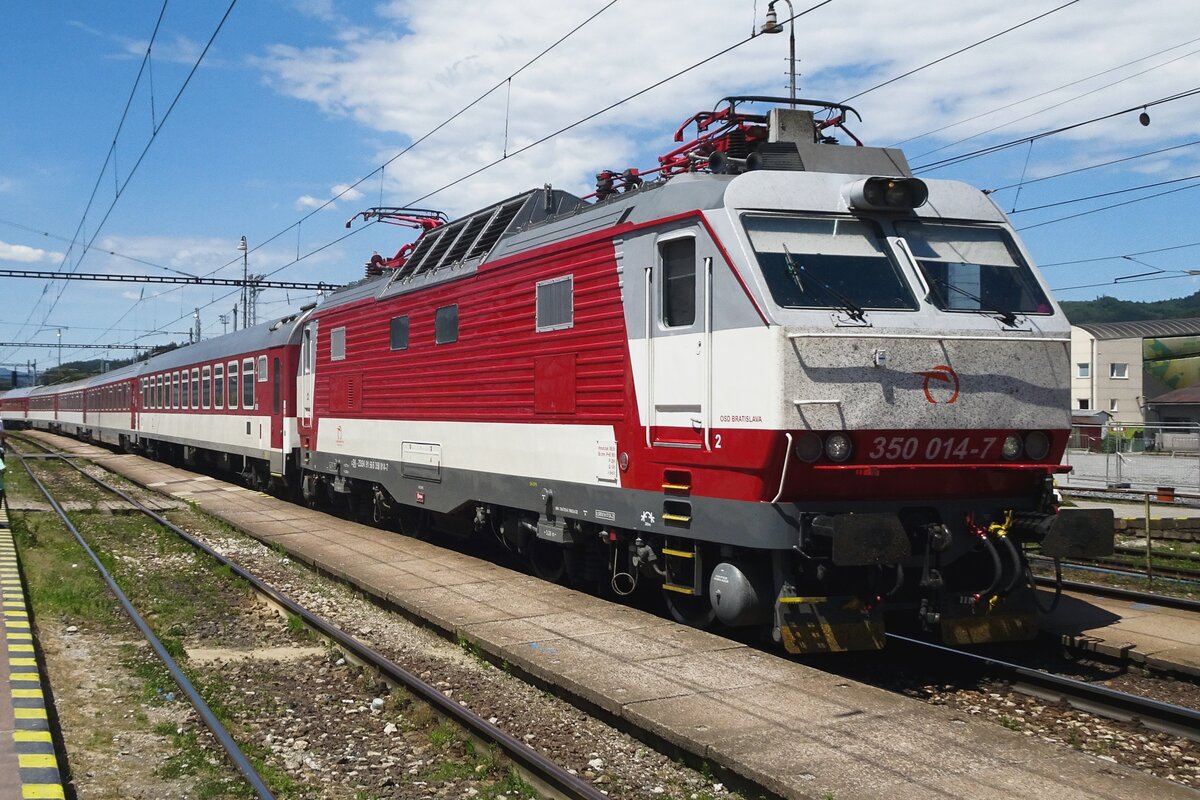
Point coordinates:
[[1012, 446], [837, 446], [1037, 445], [809, 447], [887, 194]]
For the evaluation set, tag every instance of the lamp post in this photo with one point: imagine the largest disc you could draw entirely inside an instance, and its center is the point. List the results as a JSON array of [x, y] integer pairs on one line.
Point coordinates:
[[245, 273], [772, 26]]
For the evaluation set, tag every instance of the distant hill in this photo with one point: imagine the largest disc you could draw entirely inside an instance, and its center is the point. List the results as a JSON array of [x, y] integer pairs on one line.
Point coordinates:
[[1110, 309]]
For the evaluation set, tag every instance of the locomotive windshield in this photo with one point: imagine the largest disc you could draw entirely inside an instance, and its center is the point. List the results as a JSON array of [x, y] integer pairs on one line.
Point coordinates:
[[825, 262], [972, 268]]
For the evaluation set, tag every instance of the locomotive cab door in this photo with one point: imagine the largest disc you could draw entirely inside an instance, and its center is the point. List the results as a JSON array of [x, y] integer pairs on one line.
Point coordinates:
[[679, 344]]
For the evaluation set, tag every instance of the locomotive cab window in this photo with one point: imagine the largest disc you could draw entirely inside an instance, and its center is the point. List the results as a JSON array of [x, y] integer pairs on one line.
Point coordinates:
[[973, 268], [827, 262], [677, 287]]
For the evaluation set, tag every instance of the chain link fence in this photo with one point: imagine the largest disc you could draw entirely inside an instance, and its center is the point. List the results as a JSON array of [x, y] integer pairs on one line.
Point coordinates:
[[1134, 456]]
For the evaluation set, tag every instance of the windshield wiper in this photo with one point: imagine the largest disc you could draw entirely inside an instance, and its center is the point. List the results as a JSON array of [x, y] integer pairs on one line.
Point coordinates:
[[1007, 317], [852, 310]]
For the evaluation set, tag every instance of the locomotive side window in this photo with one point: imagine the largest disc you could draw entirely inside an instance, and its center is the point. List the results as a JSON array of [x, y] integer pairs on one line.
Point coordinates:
[[195, 388], [555, 304], [827, 262], [398, 334], [218, 386], [678, 282], [248, 384], [206, 387], [262, 369], [337, 344], [445, 325], [232, 377], [973, 268]]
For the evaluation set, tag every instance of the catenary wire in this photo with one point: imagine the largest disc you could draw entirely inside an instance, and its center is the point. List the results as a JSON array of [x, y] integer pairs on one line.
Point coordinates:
[[959, 51]]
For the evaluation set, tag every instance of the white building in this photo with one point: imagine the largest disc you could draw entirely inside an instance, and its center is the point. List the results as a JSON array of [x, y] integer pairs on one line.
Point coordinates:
[[1120, 366]]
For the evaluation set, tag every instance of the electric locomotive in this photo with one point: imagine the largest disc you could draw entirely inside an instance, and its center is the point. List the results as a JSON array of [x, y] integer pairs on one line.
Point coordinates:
[[782, 378]]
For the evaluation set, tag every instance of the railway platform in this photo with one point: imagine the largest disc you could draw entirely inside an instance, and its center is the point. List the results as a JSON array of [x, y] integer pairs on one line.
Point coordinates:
[[28, 765], [794, 730], [1159, 638]]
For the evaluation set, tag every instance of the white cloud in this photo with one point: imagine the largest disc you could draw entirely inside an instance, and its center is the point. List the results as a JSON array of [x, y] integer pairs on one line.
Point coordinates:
[[344, 191], [308, 201], [27, 255], [405, 78]]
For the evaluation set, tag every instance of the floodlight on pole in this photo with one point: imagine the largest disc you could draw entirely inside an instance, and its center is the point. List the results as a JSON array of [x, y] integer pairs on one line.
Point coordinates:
[[771, 25], [245, 272]]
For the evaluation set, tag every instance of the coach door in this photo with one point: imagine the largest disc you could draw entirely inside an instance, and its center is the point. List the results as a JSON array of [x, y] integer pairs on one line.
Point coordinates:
[[679, 344], [305, 383]]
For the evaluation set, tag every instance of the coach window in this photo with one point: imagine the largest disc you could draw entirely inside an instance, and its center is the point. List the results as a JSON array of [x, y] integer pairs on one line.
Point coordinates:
[[399, 333], [219, 386], [145, 394], [175, 390], [337, 344], [678, 286], [232, 376], [195, 388], [248, 384], [555, 300], [205, 387], [160, 394], [445, 325], [275, 387], [185, 400]]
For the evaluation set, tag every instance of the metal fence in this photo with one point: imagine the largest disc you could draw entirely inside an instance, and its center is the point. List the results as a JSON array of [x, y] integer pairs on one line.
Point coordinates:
[[1134, 456]]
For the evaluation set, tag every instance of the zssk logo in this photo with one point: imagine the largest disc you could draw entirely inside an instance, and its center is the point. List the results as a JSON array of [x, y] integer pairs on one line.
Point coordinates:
[[940, 382]]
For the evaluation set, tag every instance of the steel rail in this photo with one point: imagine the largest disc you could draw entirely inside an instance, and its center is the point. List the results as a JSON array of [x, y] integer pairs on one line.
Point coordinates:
[[1081, 695], [532, 762], [1121, 593], [210, 720], [1160, 573]]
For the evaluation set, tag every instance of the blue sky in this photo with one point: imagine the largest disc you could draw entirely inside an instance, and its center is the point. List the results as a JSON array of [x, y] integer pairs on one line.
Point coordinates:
[[296, 100]]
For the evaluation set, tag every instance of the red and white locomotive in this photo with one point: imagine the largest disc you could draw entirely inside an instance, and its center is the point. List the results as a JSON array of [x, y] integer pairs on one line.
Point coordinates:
[[784, 380]]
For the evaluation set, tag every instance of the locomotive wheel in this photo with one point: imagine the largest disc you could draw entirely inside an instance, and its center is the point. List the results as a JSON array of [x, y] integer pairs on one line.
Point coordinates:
[[547, 560], [696, 612]]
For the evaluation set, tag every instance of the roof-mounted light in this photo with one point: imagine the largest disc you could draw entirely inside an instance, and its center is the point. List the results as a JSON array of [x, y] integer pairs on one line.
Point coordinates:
[[887, 194]]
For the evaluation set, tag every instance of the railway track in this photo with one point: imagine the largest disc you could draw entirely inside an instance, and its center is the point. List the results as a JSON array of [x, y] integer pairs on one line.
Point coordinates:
[[539, 770], [1081, 695]]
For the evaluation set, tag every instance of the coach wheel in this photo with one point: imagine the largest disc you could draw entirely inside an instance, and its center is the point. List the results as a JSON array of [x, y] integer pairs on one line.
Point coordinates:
[[696, 612], [547, 560]]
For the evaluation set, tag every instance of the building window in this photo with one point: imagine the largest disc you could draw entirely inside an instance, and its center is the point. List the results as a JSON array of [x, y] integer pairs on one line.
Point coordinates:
[[1118, 370], [337, 344], [1083, 370], [1112, 404], [556, 304], [399, 333], [1084, 404], [678, 282], [445, 325]]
